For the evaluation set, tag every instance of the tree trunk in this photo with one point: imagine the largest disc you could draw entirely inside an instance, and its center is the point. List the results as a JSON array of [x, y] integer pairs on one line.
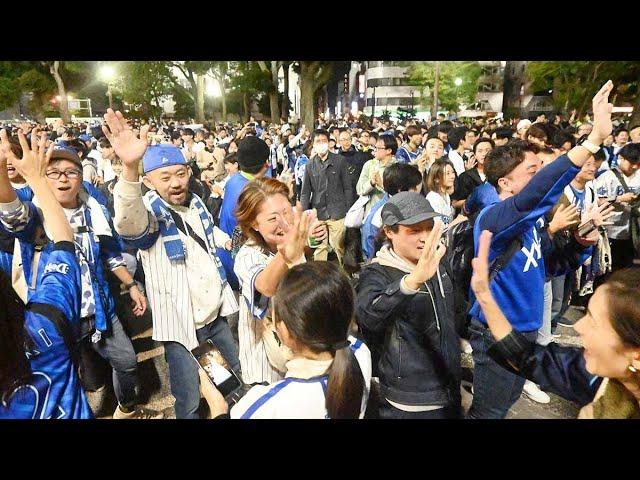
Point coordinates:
[[199, 103], [285, 99], [223, 99], [274, 106], [436, 88], [307, 94], [64, 105], [245, 106]]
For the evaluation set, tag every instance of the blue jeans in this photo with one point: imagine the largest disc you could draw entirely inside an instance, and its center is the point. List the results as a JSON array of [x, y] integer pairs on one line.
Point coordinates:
[[183, 371], [495, 388], [116, 348]]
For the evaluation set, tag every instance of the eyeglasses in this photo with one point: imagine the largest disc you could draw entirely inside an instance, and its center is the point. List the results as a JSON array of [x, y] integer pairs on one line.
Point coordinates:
[[70, 174]]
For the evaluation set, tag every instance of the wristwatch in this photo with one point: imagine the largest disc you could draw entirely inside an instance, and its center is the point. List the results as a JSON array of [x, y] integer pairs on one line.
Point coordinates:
[[592, 147]]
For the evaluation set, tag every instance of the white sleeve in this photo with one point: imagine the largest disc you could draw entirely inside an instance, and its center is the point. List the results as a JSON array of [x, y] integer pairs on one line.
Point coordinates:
[[248, 264], [220, 238]]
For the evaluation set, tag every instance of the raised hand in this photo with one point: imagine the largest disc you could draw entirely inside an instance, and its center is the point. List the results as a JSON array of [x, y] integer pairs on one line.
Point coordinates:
[[35, 158], [432, 253], [126, 144], [296, 234], [480, 264], [602, 126], [599, 214], [470, 163], [566, 216]]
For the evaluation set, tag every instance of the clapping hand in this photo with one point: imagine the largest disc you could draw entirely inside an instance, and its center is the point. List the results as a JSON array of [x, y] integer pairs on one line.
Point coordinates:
[[565, 217], [296, 234], [599, 214], [480, 264], [432, 252]]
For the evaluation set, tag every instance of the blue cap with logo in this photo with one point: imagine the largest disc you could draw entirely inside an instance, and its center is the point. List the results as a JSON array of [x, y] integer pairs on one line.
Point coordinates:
[[160, 156]]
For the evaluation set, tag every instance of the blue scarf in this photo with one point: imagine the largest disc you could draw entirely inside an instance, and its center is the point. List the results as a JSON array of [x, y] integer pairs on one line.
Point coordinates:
[[169, 230]]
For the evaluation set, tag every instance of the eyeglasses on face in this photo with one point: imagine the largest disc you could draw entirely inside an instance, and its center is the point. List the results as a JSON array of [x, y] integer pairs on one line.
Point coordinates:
[[70, 174]]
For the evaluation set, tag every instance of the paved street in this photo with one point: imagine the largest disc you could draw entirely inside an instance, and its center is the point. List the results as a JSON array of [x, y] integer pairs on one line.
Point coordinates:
[[157, 395]]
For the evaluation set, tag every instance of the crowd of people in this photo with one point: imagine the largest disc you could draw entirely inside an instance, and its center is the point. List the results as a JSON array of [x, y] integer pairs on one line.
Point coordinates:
[[346, 253]]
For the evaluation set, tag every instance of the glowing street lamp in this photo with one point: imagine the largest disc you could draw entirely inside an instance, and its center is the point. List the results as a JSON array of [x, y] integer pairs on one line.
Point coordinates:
[[457, 82], [107, 74]]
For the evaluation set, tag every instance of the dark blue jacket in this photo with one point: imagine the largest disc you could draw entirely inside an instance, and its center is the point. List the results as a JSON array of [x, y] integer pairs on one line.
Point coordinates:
[[413, 335]]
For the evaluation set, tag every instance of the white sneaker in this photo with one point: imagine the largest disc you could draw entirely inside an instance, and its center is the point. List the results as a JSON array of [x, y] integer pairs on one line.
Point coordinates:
[[465, 346], [534, 393]]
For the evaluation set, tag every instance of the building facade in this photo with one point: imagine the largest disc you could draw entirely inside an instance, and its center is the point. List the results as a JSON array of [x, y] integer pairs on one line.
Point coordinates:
[[387, 88]]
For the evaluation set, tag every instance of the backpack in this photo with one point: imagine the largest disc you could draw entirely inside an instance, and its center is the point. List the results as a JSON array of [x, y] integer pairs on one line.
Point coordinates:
[[460, 253]]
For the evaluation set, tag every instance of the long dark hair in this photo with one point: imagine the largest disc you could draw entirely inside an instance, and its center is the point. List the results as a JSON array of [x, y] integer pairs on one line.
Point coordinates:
[[316, 302], [14, 366]]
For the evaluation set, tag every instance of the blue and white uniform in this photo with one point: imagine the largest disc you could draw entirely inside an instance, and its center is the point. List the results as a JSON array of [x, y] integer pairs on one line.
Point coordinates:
[[302, 392], [403, 155], [53, 390]]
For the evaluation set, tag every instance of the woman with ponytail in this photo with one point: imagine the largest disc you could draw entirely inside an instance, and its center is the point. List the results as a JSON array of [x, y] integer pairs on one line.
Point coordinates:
[[330, 373]]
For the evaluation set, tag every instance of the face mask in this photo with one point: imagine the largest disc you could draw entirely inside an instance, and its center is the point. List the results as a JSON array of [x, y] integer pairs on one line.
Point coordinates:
[[322, 148]]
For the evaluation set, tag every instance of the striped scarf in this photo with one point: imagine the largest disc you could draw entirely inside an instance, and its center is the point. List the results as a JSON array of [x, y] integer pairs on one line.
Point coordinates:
[[171, 238]]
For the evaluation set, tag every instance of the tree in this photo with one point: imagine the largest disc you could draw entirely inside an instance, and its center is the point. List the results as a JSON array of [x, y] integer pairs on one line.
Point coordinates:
[[285, 99], [194, 73], [574, 83], [450, 95], [274, 102], [249, 82], [313, 76], [219, 73], [145, 84]]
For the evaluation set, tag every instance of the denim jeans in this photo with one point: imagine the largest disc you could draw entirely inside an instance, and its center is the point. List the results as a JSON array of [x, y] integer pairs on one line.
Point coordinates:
[[561, 296], [389, 412], [183, 371], [116, 348], [495, 388]]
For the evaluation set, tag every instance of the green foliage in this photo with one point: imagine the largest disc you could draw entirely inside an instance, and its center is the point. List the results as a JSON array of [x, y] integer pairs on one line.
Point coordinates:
[[144, 84], [422, 74], [574, 83]]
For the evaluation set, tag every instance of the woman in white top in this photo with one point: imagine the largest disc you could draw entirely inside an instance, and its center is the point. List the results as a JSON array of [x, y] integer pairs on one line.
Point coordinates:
[[276, 238], [439, 186], [329, 375]]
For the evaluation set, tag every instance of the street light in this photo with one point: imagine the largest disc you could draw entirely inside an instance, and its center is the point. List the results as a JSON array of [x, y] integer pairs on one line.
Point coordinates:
[[457, 82], [107, 74]]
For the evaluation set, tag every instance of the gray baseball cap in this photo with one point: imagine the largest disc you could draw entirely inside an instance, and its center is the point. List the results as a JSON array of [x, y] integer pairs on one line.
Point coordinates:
[[407, 208]]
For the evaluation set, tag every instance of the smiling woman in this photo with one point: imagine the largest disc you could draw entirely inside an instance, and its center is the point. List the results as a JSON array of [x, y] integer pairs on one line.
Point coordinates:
[[603, 376]]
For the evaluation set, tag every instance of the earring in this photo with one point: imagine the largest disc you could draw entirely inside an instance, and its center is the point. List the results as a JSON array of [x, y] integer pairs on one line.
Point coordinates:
[[632, 369]]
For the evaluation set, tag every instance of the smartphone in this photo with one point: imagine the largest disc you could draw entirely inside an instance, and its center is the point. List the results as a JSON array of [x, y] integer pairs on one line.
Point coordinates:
[[218, 371], [586, 229]]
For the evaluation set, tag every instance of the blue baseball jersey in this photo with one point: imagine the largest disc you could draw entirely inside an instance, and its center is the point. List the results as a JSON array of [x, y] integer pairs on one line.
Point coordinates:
[[403, 155], [53, 391], [518, 287]]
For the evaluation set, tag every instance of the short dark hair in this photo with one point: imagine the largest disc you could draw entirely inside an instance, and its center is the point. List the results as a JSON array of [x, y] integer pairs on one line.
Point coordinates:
[[600, 155], [322, 131], [501, 161], [483, 140], [104, 143], [631, 152], [187, 131], [537, 131], [400, 177], [373, 134], [410, 131], [560, 138], [231, 158], [455, 135], [445, 127], [503, 133], [389, 143], [619, 130]]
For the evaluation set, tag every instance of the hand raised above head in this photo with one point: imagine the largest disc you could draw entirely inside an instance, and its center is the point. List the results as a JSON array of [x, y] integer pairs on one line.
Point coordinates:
[[126, 144]]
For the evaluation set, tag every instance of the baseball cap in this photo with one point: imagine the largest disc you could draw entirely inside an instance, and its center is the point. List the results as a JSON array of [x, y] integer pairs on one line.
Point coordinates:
[[160, 156], [523, 124], [66, 153], [407, 208], [84, 137]]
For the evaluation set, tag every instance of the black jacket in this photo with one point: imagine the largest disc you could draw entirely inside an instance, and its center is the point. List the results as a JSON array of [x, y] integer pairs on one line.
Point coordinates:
[[419, 360], [355, 162], [327, 187], [465, 184]]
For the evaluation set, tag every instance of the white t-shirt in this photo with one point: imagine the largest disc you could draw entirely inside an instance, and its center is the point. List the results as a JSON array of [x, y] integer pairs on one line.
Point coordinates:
[[608, 186], [458, 162], [301, 395], [442, 205]]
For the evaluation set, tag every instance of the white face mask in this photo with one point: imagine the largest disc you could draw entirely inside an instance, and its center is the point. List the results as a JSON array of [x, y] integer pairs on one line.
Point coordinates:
[[321, 148]]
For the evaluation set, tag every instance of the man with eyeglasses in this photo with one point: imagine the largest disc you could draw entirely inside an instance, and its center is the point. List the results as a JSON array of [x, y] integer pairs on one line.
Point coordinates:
[[370, 182], [96, 249]]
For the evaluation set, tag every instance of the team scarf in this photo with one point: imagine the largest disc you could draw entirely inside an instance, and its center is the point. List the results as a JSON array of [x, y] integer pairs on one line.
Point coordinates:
[[171, 238]]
